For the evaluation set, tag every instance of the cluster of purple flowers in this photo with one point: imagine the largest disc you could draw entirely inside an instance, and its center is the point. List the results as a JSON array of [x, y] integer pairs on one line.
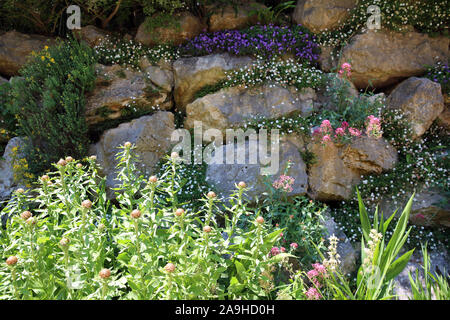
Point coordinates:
[[265, 40], [440, 73]]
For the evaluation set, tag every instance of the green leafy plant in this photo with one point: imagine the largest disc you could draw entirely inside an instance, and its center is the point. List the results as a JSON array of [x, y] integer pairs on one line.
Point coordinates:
[[48, 103], [436, 286], [272, 14]]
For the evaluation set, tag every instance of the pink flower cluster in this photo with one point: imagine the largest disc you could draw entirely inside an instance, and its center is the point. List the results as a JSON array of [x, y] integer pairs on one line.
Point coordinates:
[[313, 294], [318, 273], [373, 127], [284, 182], [275, 250], [327, 134], [346, 69]]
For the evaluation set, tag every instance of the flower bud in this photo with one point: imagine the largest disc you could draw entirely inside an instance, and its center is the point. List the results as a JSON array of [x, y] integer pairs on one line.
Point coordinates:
[[69, 159], [127, 144], [93, 158], [153, 179], [86, 204], [20, 190], [211, 194], [135, 214], [179, 212], [11, 260], [31, 221], [101, 227], [242, 185], [170, 267], [64, 242], [79, 165], [45, 178], [25, 215], [105, 273], [260, 220], [174, 155], [207, 229], [62, 163]]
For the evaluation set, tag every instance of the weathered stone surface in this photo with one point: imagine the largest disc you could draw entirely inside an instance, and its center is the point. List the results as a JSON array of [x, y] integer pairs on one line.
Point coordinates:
[[421, 100], [439, 260], [92, 35], [7, 181], [344, 249], [234, 106], [430, 208], [326, 59], [160, 77], [339, 167], [224, 176], [230, 17], [189, 27], [192, 74], [444, 117], [320, 15], [381, 58], [118, 90], [15, 48], [150, 134]]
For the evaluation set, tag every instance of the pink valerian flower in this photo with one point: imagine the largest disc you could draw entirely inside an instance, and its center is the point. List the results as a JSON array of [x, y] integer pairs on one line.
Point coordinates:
[[283, 249], [420, 216], [284, 182], [373, 127], [326, 138], [320, 268], [344, 125], [313, 294], [294, 245], [340, 131], [312, 274], [346, 69], [325, 127], [274, 251], [354, 132]]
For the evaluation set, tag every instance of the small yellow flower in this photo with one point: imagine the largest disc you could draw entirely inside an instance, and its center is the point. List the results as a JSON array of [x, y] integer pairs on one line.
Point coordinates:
[[42, 58], [52, 60], [46, 47]]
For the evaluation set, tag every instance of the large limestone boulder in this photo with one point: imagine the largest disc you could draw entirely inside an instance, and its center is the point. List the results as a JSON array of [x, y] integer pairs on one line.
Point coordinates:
[[233, 17], [192, 74], [321, 15], [381, 58], [14, 149], [223, 176], [420, 99], [120, 92], [186, 26], [233, 107], [150, 134], [15, 48], [92, 35], [338, 167]]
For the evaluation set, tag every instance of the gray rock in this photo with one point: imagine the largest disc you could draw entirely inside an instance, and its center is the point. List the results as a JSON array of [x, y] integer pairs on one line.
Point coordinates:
[[16, 48], [192, 74], [233, 107], [225, 176], [150, 134], [321, 15], [382, 58], [338, 167], [7, 181], [421, 101], [120, 91]]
